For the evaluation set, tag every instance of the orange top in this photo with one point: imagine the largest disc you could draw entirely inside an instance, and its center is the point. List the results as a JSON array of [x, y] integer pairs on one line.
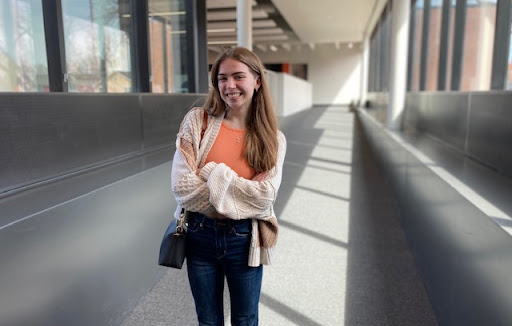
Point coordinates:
[[228, 148]]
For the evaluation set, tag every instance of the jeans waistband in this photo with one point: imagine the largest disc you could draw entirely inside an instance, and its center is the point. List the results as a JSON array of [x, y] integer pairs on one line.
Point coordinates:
[[217, 222]]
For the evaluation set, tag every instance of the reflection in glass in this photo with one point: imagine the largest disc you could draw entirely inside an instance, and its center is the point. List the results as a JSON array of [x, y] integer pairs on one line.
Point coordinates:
[[385, 43], [416, 57], [97, 41], [478, 45], [23, 64], [509, 74], [434, 45], [168, 46], [449, 56]]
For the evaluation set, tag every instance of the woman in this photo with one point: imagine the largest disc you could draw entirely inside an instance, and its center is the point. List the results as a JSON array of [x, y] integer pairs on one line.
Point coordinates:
[[226, 171]]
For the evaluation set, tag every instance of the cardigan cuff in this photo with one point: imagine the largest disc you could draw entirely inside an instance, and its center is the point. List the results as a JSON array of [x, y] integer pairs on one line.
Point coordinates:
[[206, 170]]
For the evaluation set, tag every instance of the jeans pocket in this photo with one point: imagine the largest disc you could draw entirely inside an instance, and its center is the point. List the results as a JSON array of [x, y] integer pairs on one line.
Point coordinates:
[[243, 230], [193, 226]]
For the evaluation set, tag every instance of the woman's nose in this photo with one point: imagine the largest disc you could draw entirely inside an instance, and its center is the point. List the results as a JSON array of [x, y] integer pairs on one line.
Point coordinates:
[[230, 83]]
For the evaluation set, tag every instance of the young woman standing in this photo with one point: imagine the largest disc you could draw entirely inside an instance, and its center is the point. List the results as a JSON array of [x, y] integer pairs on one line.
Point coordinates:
[[226, 172]]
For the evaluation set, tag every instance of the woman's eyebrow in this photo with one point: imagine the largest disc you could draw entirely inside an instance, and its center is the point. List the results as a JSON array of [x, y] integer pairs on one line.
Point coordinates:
[[235, 73]]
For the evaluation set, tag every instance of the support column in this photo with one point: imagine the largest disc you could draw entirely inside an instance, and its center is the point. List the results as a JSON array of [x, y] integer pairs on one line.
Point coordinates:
[[244, 23], [398, 71], [197, 48]]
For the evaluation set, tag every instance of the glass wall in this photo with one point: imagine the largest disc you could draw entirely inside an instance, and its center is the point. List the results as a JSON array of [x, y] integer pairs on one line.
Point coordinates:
[[509, 66], [449, 52], [104, 46], [374, 71], [167, 39], [470, 23], [478, 45], [97, 43], [416, 39], [378, 80], [434, 45], [23, 63], [386, 45]]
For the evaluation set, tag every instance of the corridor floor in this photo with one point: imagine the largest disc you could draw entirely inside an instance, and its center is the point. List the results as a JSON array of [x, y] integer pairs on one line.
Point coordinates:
[[342, 257]]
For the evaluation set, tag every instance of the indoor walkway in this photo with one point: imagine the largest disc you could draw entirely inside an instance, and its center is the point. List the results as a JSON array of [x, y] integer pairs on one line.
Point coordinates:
[[342, 257]]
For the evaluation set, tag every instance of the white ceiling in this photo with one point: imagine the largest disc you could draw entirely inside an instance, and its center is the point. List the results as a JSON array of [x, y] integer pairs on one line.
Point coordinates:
[[328, 21], [305, 22]]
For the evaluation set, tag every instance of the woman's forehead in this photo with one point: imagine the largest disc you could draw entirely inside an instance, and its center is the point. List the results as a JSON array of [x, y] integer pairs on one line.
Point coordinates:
[[231, 66]]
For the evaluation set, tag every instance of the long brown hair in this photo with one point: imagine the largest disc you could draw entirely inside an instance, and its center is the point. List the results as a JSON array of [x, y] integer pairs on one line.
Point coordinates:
[[261, 142]]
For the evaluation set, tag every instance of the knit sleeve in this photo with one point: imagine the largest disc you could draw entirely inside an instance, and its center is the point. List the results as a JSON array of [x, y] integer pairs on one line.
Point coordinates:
[[239, 198], [190, 191]]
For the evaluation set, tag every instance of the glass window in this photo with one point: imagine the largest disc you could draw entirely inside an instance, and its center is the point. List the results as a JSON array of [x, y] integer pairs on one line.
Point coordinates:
[[167, 41], [97, 42], [385, 43], [23, 64], [372, 63], [377, 57], [434, 45], [509, 74], [375, 53], [416, 44], [478, 45], [449, 55]]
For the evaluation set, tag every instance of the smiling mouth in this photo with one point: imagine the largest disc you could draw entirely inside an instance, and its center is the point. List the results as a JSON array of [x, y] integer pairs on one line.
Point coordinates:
[[234, 95]]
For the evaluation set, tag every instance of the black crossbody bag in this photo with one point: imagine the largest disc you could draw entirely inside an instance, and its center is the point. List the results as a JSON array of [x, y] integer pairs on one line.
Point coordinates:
[[173, 248]]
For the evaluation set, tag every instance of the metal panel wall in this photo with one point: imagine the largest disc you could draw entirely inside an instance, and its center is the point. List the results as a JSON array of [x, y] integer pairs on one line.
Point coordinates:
[[490, 130], [378, 104], [475, 123], [158, 124], [45, 136], [82, 249], [445, 116], [465, 258]]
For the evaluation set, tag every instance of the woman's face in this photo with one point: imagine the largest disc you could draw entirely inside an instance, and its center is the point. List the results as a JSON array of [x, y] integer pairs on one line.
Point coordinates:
[[237, 84]]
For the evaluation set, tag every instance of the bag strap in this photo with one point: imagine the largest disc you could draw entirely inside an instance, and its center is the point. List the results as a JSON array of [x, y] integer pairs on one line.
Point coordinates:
[[205, 123]]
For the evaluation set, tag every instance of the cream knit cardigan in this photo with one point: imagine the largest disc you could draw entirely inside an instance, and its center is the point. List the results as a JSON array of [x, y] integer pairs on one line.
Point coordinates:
[[219, 188]]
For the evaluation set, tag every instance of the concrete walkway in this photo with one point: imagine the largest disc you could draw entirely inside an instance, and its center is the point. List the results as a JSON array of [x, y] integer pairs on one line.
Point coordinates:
[[342, 257]]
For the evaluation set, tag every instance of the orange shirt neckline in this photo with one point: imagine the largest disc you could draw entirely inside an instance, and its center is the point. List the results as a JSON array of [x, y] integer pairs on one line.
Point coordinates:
[[224, 124], [229, 148]]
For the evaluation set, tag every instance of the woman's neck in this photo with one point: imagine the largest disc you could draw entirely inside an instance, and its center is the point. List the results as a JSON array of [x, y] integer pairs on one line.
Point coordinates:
[[236, 119]]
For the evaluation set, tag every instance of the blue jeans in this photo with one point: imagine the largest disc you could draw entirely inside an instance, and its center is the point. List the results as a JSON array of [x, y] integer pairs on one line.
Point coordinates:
[[218, 249]]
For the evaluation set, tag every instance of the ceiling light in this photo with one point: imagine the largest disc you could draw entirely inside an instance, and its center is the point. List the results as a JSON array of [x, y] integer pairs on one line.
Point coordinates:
[[221, 30], [273, 48], [262, 47], [267, 31], [167, 13], [222, 42]]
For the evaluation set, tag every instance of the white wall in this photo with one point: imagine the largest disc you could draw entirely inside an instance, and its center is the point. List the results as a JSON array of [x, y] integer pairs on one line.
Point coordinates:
[[289, 93], [335, 74], [297, 94]]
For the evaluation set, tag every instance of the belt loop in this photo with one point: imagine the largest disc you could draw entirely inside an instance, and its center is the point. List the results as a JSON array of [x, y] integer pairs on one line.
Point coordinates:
[[201, 224]]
